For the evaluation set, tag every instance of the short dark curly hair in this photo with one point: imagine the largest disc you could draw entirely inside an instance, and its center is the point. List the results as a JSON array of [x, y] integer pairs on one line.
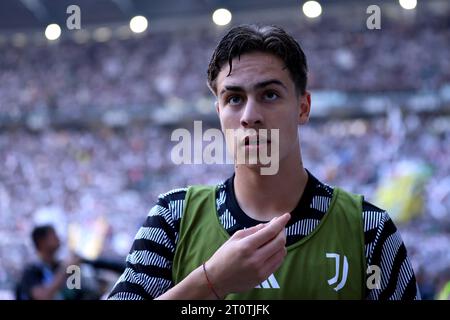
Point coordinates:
[[253, 38]]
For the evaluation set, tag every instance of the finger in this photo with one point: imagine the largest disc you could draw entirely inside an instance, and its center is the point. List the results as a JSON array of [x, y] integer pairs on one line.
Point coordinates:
[[272, 246], [269, 232], [249, 231], [274, 262]]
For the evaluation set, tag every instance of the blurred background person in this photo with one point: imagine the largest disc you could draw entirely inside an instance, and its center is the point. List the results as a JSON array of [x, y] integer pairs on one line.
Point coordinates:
[[46, 278]]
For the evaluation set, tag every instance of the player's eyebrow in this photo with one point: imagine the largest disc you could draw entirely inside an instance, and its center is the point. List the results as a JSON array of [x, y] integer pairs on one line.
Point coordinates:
[[266, 83], [231, 88], [258, 85]]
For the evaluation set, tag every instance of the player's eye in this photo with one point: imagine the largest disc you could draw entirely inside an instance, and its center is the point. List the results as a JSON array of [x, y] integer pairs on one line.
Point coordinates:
[[234, 100], [271, 95]]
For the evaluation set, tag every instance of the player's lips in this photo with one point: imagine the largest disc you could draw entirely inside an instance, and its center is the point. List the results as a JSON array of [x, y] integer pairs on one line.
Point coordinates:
[[255, 141]]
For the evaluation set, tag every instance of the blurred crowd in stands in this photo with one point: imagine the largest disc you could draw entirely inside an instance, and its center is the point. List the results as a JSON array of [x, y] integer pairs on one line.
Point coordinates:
[[161, 67], [77, 177]]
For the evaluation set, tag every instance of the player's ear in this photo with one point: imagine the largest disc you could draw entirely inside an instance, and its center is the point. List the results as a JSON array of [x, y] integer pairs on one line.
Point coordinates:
[[305, 107]]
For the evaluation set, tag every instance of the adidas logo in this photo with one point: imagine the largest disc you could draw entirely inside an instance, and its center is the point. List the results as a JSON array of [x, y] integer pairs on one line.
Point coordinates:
[[270, 283]]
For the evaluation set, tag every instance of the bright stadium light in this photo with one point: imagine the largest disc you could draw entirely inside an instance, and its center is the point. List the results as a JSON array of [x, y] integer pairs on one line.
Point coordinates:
[[138, 24], [312, 9], [221, 17], [408, 4], [53, 31]]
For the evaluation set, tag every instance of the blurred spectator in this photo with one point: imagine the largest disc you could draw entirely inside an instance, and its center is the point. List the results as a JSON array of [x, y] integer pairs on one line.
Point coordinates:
[[46, 278]]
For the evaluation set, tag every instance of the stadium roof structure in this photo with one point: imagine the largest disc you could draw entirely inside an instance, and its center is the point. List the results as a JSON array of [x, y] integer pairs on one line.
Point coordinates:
[[31, 14]]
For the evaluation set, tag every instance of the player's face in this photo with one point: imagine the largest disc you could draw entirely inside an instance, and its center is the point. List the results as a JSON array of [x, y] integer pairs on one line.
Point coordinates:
[[260, 94]]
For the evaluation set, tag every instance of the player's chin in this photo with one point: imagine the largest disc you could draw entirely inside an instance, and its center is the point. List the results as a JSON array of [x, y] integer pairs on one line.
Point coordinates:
[[257, 167]]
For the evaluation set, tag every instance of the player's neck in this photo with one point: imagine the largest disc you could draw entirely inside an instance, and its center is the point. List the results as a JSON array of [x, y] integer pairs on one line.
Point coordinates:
[[263, 197]]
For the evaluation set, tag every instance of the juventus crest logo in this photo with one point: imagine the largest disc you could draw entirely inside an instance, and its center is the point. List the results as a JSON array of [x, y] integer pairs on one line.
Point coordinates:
[[335, 279]]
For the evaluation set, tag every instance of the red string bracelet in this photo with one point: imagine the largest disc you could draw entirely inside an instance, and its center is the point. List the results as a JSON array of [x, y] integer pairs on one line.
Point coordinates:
[[210, 286]]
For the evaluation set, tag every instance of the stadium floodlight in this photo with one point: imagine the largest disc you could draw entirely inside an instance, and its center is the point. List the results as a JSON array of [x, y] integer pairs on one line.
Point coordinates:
[[312, 9], [53, 31], [138, 24], [408, 4], [221, 17]]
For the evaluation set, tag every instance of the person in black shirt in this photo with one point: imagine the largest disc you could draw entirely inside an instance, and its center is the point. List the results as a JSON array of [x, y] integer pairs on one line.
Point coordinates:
[[46, 278]]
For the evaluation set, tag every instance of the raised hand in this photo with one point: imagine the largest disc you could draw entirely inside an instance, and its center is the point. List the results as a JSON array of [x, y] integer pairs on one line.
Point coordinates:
[[248, 257]]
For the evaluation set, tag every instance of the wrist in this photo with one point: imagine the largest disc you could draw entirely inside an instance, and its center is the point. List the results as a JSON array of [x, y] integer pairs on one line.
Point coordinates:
[[210, 283]]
